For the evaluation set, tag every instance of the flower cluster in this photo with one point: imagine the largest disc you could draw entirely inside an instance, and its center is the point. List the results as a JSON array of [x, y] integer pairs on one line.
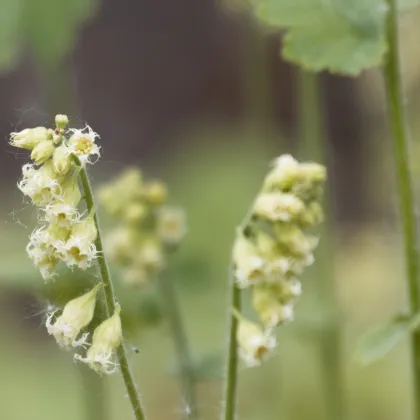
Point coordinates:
[[66, 234], [273, 248], [51, 183], [148, 227]]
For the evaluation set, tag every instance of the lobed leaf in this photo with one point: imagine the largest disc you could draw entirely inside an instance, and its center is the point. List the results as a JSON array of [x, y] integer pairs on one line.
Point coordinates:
[[381, 341], [342, 36]]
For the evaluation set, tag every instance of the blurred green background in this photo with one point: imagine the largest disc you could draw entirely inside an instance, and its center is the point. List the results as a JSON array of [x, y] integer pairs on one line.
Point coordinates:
[[198, 96]]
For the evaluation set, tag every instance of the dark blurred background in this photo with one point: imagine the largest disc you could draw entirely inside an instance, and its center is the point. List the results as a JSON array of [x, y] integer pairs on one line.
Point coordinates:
[[197, 95]]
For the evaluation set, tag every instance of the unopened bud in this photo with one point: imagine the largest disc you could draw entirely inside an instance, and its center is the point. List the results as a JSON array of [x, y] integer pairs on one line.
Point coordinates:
[[61, 121], [156, 192], [42, 151], [62, 161], [134, 212], [29, 138]]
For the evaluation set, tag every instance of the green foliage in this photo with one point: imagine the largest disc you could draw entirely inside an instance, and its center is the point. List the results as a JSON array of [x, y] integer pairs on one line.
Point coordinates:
[[48, 27], [342, 36], [381, 341]]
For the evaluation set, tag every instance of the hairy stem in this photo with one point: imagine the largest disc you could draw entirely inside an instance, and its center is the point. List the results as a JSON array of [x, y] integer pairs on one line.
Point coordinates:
[[110, 297], [395, 99], [314, 145], [185, 362], [231, 385]]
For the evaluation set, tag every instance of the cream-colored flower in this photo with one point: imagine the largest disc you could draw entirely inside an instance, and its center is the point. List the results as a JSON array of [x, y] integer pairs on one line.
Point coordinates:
[[82, 144], [42, 184], [63, 211], [107, 337], [80, 249], [255, 344], [250, 266], [77, 314], [278, 206], [171, 224], [274, 304]]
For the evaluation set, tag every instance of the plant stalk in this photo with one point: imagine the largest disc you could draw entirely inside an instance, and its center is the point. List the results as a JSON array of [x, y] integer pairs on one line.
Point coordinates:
[[231, 386], [110, 297], [313, 143], [395, 102], [185, 362]]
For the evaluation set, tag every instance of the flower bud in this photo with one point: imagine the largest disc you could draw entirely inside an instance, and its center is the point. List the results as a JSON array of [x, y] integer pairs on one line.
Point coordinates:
[[255, 345], [136, 276], [42, 152], [171, 225], [29, 138], [135, 212], [61, 121], [62, 160], [151, 254], [294, 242], [273, 308], [155, 193], [313, 172], [284, 175], [77, 314], [278, 207], [107, 337], [312, 215], [250, 267], [120, 245], [80, 247]]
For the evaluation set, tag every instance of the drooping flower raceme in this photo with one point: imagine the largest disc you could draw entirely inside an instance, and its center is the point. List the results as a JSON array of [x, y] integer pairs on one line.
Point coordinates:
[[274, 247], [148, 228], [67, 234], [51, 183]]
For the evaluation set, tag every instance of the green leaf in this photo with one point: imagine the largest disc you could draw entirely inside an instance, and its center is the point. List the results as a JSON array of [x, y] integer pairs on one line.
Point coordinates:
[[10, 17], [51, 26], [381, 341], [342, 36]]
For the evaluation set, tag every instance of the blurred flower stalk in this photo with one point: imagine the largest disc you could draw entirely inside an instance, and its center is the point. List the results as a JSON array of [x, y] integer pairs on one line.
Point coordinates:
[[69, 233], [148, 231]]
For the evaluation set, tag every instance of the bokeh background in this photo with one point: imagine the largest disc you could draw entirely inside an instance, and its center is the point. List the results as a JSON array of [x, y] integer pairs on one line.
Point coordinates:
[[196, 94]]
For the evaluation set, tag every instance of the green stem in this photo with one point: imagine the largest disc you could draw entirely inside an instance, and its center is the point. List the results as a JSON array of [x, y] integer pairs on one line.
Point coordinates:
[[232, 355], [395, 99], [314, 145], [110, 297], [179, 335]]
